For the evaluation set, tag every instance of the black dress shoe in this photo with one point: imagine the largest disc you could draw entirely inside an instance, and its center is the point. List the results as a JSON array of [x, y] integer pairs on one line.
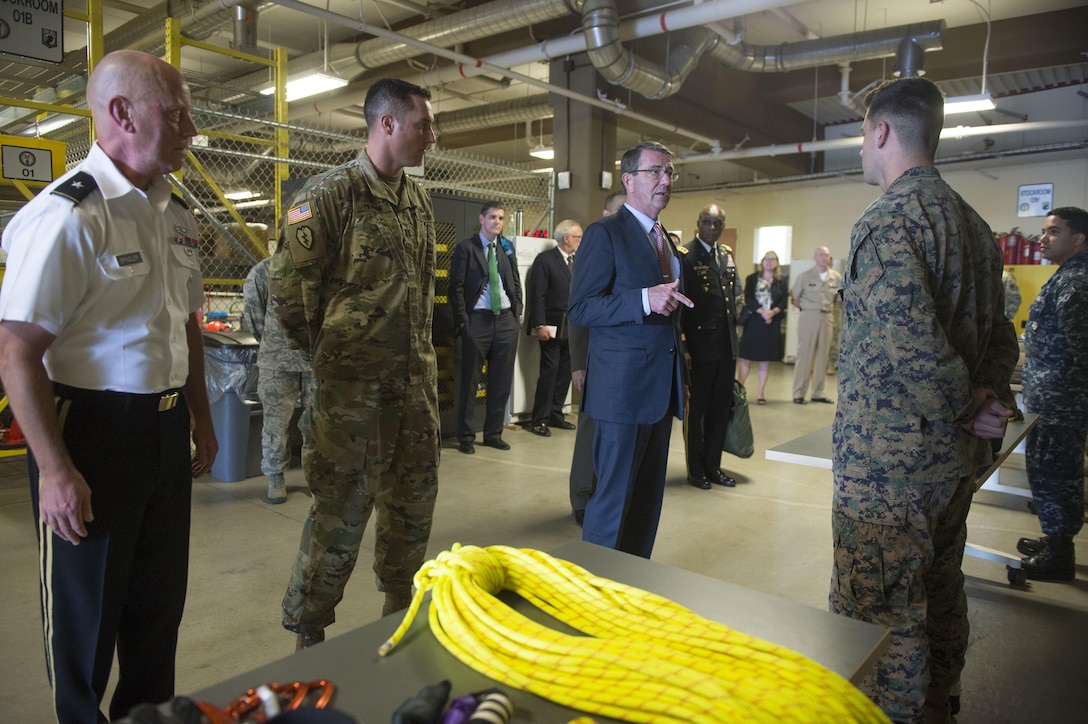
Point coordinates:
[[579, 516], [563, 425], [468, 448], [699, 481], [497, 443], [1031, 546], [799, 400], [540, 429], [722, 479], [1056, 562], [824, 400]]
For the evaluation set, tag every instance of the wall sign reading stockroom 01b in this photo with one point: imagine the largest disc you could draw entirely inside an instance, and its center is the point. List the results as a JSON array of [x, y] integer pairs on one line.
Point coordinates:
[[33, 29]]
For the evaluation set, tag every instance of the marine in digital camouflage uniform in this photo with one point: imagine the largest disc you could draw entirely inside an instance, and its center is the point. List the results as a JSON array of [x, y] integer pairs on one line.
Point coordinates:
[[1056, 386], [284, 378], [354, 287], [926, 351]]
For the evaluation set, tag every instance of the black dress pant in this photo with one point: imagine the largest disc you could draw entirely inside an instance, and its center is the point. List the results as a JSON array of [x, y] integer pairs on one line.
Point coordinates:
[[553, 382], [709, 409], [492, 339], [123, 587]]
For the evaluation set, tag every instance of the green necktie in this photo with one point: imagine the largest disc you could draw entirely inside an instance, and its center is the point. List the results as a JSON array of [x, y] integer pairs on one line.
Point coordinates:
[[493, 283]]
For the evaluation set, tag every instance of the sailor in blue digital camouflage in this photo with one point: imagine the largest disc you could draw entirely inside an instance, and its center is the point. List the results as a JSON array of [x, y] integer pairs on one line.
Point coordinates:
[[283, 380], [354, 289], [924, 366], [1056, 386]]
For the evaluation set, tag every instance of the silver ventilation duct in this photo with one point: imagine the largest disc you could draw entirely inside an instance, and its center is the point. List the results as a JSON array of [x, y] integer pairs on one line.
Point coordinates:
[[490, 115], [865, 45]]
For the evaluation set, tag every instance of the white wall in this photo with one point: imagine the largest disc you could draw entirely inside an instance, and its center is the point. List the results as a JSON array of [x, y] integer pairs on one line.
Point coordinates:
[[823, 212]]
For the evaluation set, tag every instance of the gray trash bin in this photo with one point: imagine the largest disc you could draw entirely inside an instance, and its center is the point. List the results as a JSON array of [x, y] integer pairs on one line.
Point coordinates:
[[230, 368]]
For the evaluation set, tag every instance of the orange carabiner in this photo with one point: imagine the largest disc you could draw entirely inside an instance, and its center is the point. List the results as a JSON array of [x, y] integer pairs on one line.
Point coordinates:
[[249, 707]]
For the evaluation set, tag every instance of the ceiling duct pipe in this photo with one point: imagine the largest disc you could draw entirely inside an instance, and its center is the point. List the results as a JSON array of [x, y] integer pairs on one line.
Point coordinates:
[[491, 115], [349, 60], [838, 144], [910, 59], [865, 45], [618, 66], [245, 27]]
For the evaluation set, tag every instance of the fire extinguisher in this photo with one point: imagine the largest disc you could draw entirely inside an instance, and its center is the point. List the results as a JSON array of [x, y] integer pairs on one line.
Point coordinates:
[[1001, 238], [1026, 255], [1036, 250], [1012, 247]]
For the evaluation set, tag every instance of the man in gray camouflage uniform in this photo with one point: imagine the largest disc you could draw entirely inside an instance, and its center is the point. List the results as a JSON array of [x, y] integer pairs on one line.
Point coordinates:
[[354, 288], [926, 355], [284, 376], [1056, 386]]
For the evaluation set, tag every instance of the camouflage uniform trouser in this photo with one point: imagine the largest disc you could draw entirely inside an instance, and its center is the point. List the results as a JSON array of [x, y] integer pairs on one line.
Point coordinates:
[[369, 445], [1055, 467], [278, 391], [897, 559]]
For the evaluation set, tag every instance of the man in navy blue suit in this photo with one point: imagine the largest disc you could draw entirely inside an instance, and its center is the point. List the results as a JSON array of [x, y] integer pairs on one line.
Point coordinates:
[[626, 289]]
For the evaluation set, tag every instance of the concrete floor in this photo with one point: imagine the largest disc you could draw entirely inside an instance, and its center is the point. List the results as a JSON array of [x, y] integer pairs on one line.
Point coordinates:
[[771, 533]]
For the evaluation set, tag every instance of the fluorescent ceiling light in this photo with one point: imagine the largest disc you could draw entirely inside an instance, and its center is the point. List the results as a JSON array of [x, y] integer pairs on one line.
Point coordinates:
[[52, 124], [253, 204], [309, 85], [241, 195], [966, 104], [544, 152]]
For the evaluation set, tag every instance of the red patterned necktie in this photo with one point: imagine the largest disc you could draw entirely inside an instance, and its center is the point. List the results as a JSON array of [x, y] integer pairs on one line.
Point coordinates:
[[663, 259]]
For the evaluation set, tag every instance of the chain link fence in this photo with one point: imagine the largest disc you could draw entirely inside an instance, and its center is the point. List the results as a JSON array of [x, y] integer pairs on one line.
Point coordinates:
[[237, 154]]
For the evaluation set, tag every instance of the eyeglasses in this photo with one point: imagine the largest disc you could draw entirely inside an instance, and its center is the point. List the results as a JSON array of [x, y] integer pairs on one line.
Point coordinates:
[[655, 172]]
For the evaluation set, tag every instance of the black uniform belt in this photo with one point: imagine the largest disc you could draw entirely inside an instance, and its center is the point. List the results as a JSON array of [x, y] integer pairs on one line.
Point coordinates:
[[488, 311], [122, 402]]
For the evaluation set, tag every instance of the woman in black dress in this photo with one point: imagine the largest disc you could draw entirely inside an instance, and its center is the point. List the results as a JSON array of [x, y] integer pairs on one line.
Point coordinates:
[[765, 296]]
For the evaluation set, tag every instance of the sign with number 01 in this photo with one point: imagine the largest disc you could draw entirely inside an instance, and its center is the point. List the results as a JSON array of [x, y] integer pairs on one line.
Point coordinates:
[[30, 160]]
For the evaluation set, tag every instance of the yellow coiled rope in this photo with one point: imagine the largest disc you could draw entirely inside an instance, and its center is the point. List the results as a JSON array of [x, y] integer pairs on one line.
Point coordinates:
[[644, 658]]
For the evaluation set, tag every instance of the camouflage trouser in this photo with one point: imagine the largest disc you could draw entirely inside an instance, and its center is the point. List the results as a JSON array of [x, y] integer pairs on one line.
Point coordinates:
[[369, 445], [278, 391], [898, 550], [1055, 467]]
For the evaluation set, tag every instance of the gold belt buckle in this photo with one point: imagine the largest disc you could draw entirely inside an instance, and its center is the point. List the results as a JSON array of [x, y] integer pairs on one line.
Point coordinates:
[[168, 401]]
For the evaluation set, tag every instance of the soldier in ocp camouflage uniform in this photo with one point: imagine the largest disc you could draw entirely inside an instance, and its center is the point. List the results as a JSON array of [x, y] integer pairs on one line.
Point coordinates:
[[926, 353], [354, 287], [284, 375], [1056, 386]]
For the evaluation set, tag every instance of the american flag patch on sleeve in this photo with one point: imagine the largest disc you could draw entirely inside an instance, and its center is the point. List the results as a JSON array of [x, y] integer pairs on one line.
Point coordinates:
[[299, 213]]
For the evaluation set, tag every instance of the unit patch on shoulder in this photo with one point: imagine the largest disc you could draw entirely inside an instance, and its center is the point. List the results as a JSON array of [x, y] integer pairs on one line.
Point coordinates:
[[299, 213], [305, 237], [77, 187]]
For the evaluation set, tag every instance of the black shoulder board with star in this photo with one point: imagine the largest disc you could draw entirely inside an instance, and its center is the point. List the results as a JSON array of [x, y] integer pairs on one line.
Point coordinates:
[[178, 200], [76, 188]]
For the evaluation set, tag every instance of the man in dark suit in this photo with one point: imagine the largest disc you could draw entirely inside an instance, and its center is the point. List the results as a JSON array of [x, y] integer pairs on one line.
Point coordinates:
[[626, 290], [485, 293], [583, 481], [710, 337], [549, 290]]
